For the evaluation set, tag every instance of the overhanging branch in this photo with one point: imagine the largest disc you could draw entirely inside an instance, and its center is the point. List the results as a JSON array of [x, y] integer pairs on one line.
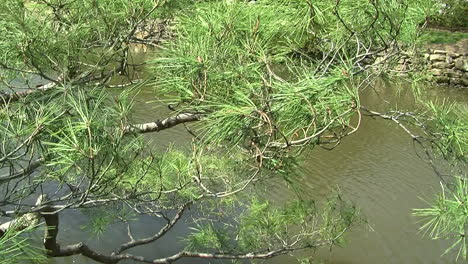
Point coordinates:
[[162, 124], [162, 232]]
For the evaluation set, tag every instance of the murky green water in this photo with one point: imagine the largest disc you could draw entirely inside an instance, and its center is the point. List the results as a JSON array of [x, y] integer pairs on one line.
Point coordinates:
[[377, 168]]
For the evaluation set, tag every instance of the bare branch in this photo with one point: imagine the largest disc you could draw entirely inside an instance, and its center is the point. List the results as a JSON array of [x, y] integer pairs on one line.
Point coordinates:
[[162, 232], [162, 124], [33, 166]]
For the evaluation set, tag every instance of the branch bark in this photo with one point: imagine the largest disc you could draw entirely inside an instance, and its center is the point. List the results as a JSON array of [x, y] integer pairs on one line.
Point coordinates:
[[13, 97], [24, 221], [162, 232], [54, 249], [200, 255], [166, 123]]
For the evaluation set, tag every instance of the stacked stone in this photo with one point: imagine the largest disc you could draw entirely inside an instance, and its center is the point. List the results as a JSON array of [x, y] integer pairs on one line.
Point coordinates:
[[448, 67]]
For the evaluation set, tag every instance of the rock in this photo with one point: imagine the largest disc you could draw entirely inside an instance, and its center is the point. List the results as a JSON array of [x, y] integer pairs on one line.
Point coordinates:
[[426, 56], [448, 59], [454, 73], [454, 55], [437, 57], [440, 65], [446, 63], [436, 72], [461, 64], [442, 79], [464, 81], [440, 52], [456, 81]]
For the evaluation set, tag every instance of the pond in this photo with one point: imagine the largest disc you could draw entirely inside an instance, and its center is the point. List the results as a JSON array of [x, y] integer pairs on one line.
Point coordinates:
[[377, 168]]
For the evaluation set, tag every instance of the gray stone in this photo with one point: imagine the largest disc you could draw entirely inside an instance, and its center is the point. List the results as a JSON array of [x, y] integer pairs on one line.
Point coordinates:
[[440, 65], [436, 72], [448, 59], [454, 73], [461, 64], [402, 68], [440, 52], [454, 55], [456, 81], [437, 57], [426, 56], [464, 81], [442, 79]]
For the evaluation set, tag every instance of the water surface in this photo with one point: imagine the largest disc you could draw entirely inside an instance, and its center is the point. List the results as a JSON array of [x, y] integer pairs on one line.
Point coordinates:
[[377, 168]]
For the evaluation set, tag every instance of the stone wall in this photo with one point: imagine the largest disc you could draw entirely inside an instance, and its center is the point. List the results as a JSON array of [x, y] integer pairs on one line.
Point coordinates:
[[448, 64]]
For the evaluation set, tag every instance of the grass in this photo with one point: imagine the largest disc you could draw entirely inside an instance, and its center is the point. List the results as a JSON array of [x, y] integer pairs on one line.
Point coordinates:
[[432, 36]]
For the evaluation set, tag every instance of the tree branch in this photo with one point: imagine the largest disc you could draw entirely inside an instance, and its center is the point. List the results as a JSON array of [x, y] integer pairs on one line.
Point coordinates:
[[6, 98], [188, 254], [159, 125], [162, 232], [33, 166], [24, 221]]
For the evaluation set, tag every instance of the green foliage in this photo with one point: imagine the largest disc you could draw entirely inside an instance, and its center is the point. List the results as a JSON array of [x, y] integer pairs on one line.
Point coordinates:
[[101, 220], [262, 225], [226, 57], [264, 77], [208, 237], [451, 13], [58, 36], [169, 172], [86, 135], [221, 63], [16, 247], [451, 121], [380, 22], [442, 37], [446, 125], [447, 217], [220, 47]]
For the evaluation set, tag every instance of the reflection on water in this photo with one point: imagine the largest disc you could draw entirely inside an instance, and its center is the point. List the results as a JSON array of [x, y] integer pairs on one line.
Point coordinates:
[[377, 168]]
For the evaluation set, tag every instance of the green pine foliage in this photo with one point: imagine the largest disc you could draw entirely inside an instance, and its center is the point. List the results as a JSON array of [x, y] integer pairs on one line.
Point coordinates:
[[16, 247], [451, 13], [268, 79], [451, 121], [447, 217], [223, 63], [263, 225]]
